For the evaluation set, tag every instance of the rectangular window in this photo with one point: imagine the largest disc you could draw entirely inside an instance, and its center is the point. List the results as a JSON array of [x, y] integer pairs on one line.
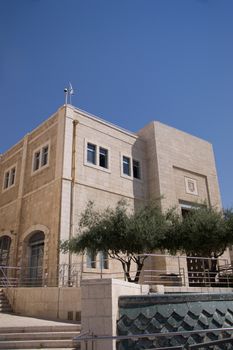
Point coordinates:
[[9, 178], [12, 176], [91, 153], [103, 157], [136, 169], [40, 158], [126, 166], [91, 260], [103, 260], [44, 155], [6, 180], [36, 163]]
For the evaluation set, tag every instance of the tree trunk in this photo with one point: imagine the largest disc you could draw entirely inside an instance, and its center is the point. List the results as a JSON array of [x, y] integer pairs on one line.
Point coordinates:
[[127, 266]]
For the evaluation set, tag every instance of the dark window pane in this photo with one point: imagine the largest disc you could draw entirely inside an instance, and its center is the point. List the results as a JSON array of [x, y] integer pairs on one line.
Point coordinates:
[[91, 153], [103, 260], [6, 180], [5, 243], [12, 177], [36, 163], [136, 169], [45, 154], [103, 157], [91, 260], [126, 165]]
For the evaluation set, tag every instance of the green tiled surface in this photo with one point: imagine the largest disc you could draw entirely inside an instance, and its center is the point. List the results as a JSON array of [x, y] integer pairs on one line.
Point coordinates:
[[172, 313]]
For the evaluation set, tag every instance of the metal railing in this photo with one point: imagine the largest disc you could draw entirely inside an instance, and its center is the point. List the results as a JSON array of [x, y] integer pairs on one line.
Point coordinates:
[[8, 276], [92, 339], [181, 271]]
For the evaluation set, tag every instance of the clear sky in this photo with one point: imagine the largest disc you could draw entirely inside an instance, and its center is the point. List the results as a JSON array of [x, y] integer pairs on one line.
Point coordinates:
[[130, 62]]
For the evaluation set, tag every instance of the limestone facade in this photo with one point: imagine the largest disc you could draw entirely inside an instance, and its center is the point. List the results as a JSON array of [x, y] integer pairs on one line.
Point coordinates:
[[48, 177]]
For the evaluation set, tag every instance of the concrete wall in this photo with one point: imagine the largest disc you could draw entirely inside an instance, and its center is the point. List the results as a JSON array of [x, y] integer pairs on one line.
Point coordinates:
[[52, 303]]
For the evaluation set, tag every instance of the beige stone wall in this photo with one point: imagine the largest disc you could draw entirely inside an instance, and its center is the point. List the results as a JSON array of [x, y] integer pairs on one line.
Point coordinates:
[[100, 307], [92, 183], [10, 194], [33, 203], [53, 303], [174, 155]]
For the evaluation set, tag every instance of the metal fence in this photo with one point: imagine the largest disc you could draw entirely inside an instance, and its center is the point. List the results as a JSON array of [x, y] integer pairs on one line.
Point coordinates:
[[181, 271]]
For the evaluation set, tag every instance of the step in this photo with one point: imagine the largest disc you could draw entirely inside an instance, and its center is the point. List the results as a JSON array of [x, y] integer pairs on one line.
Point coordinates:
[[38, 336], [36, 344], [39, 329], [6, 310]]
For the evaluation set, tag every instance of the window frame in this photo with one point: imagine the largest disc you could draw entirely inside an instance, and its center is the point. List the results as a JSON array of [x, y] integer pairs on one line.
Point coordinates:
[[132, 159], [94, 153], [9, 181], [128, 164], [39, 150], [97, 156], [139, 167], [97, 261]]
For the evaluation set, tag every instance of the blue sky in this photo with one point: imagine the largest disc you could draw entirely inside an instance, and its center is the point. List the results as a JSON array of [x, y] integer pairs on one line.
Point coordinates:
[[130, 61]]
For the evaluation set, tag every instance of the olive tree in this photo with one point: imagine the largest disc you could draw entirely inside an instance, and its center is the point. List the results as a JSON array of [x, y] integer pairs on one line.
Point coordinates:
[[124, 235]]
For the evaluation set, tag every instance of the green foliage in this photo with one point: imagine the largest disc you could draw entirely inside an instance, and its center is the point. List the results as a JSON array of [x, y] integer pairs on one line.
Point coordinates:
[[204, 231], [123, 234], [127, 235]]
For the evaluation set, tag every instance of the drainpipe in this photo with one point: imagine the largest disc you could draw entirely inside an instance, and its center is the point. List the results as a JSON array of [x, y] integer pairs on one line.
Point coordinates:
[[19, 204], [72, 193]]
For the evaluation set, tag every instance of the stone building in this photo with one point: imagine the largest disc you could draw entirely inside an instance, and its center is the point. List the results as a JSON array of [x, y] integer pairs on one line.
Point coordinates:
[[48, 177]]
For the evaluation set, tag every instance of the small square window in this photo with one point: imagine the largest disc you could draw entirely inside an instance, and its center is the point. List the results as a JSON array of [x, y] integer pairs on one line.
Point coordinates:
[[136, 169], [126, 166], [91, 153], [103, 157]]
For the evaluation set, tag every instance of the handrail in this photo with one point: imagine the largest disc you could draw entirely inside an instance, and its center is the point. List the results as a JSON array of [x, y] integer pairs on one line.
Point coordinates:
[[5, 280], [94, 338]]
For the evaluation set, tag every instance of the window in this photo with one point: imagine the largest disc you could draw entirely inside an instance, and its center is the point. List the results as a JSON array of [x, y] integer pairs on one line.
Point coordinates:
[[103, 157], [97, 156], [9, 178], [91, 260], [136, 169], [44, 155], [36, 247], [131, 168], [5, 243], [36, 161], [41, 158], [126, 166], [103, 260], [91, 153]]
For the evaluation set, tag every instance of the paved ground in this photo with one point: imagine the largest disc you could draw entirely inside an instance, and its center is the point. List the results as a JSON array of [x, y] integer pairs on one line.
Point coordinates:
[[9, 320]]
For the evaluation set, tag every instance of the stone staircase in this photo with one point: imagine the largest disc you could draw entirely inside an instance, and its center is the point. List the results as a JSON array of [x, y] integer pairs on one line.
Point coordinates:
[[4, 303], [38, 337]]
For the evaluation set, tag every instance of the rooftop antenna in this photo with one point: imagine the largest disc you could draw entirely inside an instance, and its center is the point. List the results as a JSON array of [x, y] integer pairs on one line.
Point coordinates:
[[68, 94]]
